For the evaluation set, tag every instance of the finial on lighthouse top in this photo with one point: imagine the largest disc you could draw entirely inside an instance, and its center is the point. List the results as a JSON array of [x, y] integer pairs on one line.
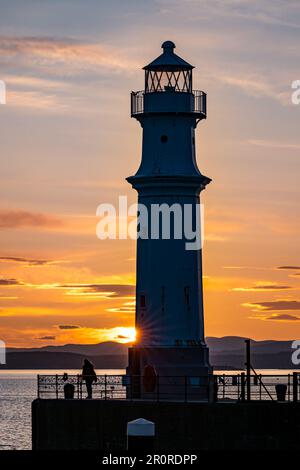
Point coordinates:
[[168, 46]]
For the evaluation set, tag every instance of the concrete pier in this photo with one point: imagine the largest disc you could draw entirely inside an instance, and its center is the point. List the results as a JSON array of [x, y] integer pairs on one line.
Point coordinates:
[[101, 424]]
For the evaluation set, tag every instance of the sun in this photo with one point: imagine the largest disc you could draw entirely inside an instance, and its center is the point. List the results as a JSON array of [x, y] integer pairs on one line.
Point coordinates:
[[124, 334]]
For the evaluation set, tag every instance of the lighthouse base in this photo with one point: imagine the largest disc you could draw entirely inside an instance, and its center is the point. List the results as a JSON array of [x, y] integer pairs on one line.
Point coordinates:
[[158, 373]]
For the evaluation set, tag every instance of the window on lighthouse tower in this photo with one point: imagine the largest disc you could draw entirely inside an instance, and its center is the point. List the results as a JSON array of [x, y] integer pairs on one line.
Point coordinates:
[[163, 297], [143, 301], [187, 296]]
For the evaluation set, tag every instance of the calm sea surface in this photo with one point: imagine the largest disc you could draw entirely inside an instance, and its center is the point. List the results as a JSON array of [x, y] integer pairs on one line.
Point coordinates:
[[17, 390]]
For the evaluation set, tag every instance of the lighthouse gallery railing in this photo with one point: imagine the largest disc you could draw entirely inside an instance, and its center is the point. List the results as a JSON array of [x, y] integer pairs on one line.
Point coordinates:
[[198, 102]]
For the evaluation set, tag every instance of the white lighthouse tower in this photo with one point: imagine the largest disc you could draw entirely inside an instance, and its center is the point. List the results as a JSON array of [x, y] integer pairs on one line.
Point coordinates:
[[169, 295]]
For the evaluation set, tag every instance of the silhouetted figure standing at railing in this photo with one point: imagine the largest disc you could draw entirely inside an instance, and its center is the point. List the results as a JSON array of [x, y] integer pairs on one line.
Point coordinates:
[[89, 376]]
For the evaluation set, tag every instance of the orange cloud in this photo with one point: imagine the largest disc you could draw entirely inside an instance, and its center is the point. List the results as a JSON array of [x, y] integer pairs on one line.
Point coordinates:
[[43, 52], [293, 268], [36, 99], [274, 144], [283, 317], [47, 338], [28, 262], [100, 290], [255, 85], [10, 282], [19, 219], [263, 287], [274, 305], [68, 327]]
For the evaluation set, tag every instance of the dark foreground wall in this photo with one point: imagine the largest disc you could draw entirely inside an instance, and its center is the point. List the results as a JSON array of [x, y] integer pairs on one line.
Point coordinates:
[[101, 425]]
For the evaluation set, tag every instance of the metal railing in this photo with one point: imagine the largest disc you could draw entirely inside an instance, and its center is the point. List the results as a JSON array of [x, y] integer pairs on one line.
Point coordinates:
[[261, 386], [187, 389], [137, 102], [200, 99], [198, 105]]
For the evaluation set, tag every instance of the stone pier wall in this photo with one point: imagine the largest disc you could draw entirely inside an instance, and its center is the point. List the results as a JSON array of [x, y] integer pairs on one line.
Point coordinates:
[[101, 425]]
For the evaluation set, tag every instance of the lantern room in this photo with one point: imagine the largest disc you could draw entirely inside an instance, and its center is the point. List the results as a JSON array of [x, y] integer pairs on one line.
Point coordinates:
[[168, 72]]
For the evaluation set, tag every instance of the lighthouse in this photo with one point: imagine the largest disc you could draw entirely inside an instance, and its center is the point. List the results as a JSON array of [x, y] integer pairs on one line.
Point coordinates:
[[170, 346]]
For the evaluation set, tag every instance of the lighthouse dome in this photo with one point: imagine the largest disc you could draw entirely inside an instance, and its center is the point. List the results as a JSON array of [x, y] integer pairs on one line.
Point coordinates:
[[168, 60], [168, 45]]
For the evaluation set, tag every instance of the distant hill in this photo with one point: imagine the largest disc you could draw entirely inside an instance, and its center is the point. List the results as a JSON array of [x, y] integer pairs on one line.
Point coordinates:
[[225, 353], [108, 347], [236, 344], [62, 360]]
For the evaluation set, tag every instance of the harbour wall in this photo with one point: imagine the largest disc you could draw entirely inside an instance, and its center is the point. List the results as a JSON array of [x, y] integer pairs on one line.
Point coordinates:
[[101, 424]]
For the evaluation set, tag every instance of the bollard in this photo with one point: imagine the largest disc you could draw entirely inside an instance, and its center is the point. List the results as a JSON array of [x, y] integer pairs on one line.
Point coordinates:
[[140, 435], [69, 391], [281, 391], [69, 388]]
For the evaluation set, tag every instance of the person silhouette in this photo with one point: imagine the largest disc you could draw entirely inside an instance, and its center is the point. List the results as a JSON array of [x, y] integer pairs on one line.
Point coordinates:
[[89, 376]]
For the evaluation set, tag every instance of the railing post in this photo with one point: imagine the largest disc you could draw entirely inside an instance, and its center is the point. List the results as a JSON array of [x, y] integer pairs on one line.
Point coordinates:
[[295, 386], [243, 386], [260, 382], [78, 387], [248, 367], [56, 386], [215, 388], [105, 386], [38, 385]]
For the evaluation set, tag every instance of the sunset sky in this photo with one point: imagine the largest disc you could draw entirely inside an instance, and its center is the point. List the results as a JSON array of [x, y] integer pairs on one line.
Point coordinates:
[[68, 143]]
